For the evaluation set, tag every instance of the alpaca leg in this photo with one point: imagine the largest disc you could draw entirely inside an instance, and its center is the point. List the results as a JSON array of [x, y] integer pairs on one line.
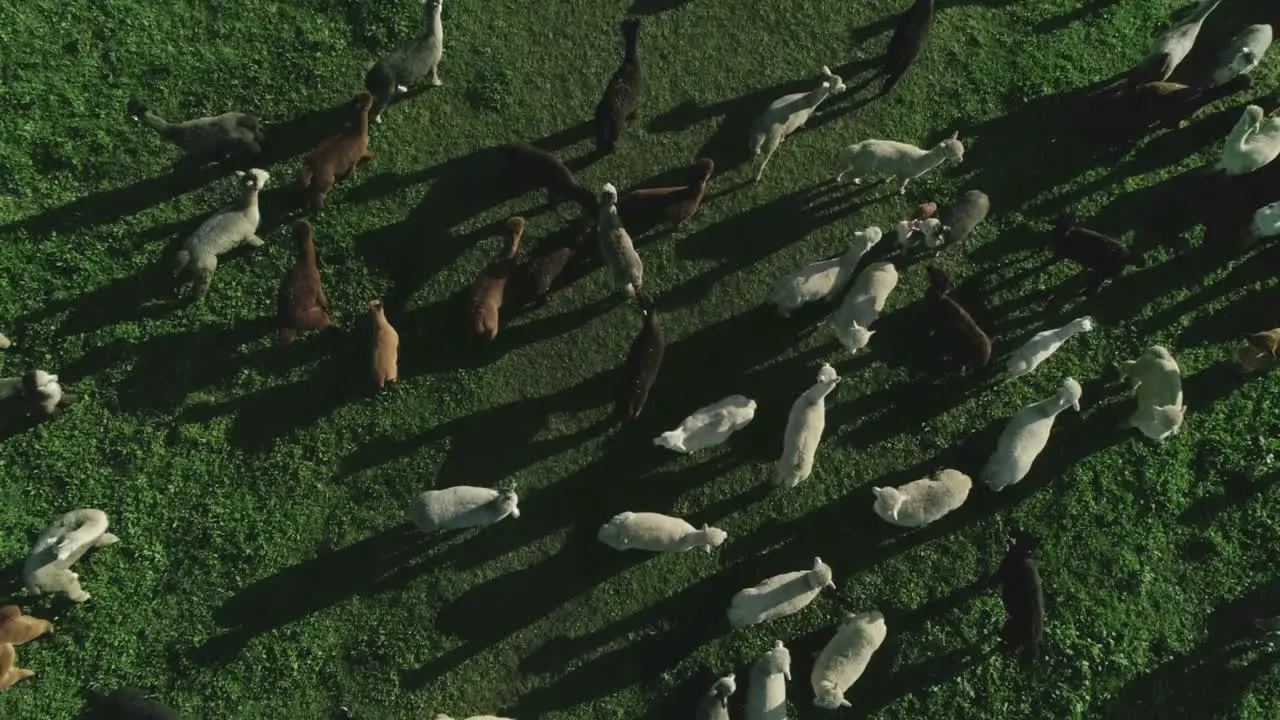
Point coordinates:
[[434, 78], [105, 539], [254, 241], [902, 187], [322, 300], [205, 268], [768, 153]]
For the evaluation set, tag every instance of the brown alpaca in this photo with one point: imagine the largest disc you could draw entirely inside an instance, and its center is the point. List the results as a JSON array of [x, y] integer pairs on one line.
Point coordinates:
[[965, 340], [301, 304], [9, 672], [672, 205], [336, 157], [386, 345], [1259, 351], [20, 629], [486, 293], [536, 275]]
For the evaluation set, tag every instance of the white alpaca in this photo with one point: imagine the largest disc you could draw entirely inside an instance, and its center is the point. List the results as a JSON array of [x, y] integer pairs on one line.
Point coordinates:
[[786, 115], [805, 423], [1043, 344], [780, 595], [1170, 48], [846, 657], [825, 278], [1266, 222], [462, 506], [1156, 377], [615, 244], [48, 565], [1251, 144], [903, 161], [1026, 436], [657, 533], [709, 426], [227, 229], [767, 687], [1242, 54], [715, 704], [911, 232], [922, 501], [862, 305]]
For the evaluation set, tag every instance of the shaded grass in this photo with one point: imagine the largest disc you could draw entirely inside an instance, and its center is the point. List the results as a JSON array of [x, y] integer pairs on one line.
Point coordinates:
[[265, 568]]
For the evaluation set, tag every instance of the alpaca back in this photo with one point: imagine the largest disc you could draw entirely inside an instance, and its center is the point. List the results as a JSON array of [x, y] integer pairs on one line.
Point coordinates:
[[224, 230], [880, 156], [779, 596], [412, 61]]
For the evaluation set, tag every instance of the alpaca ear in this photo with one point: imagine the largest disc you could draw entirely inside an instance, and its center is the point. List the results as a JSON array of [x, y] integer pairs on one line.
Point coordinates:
[[826, 84], [955, 135], [239, 173], [827, 71]]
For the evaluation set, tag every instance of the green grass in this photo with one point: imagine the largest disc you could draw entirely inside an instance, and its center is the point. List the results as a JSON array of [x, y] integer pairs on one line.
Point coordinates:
[[265, 569]]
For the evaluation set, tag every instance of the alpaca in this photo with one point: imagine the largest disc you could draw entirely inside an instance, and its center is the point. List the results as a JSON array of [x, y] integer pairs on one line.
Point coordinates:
[[922, 501], [19, 629], [1252, 143], [229, 135], [1026, 436], [767, 687], [462, 506], [709, 426], [1265, 223], [779, 596], [805, 423], [1105, 256], [529, 167], [1023, 598], [536, 275], [227, 229], [10, 673], [300, 302], [336, 158], [845, 657], [715, 704], [862, 305], [909, 38], [961, 217], [674, 205], [1043, 344], [414, 61], [640, 369], [1119, 117], [1259, 351], [656, 532], [1242, 54], [622, 95], [1158, 380], [902, 161], [386, 345], [36, 396], [615, 245], [964, 340], [61, 545], [4, 342], [786, 115], [1169, 49], [825, 278], [488, 289]]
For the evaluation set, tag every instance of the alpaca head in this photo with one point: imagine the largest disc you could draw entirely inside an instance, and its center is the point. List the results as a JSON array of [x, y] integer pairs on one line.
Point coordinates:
[[702, 170], [725, 687], [889, 500], [1266, 221], [820, 575], [779, 660], [827, 374], [375, 308], [671, 440], [714, 537], [432, 4], [1253, 115], [255, 179], [1081, 324], [939, 280], [507, 501], [865, 619], [833, 83], [303, 233], [934, 231], [871, 236], [1070, 394], [1024, 542], [828, 697], [608, 195], [135, 109], [363, 101], [855, 337], [1168, 418], [952, 148]]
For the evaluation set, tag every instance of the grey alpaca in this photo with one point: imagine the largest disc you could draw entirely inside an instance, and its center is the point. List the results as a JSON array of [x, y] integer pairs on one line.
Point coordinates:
[[48, 567], [411, 63], [207, 138], [227, 229]]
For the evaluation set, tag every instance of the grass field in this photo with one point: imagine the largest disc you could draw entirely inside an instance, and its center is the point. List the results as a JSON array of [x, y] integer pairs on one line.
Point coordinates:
[[265, 568]]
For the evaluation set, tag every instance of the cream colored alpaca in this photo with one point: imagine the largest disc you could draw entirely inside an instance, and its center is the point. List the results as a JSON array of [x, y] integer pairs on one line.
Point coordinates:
[[903, 161], [1252, 143]]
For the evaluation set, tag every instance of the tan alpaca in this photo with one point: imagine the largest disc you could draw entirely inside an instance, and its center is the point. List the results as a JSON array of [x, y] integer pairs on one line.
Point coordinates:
[[9, 672], [487, 291], [386, 345], [20, 629]]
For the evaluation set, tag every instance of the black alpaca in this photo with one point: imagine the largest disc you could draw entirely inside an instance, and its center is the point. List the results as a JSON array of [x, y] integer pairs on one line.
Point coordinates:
[[622, 95]]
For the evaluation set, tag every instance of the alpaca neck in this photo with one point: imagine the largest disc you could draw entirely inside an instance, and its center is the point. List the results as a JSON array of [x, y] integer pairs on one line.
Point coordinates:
[[361, 125], [930, 159], [631, 36], [513, 244], [434, 27], [248, 201], [1203, 11], [157, 123], [1240, 134], [816, 96], [307, 251]]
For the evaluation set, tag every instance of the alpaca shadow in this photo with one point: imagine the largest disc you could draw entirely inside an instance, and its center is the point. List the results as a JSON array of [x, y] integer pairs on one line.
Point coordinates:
[[375, 565], [269, 415], [167, 368], [111, 205], [653, 7], [1238, 487], [300, 134], [145, 295], [1249, 314], [1212, 679], [1088, 12]]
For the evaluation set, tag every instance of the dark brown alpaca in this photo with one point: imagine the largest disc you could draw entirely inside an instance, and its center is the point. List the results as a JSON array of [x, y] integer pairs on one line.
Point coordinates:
[[640, 369], [335, 159], [301, 304], [1023, 597], [534, 277], [622, 95], [1105, 256], [909, 38], [672, 205], [487, 292], [963, 339]]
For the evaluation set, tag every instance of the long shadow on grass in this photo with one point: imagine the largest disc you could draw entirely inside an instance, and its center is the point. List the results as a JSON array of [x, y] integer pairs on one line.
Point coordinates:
[[1211, 680], [381, 563]]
